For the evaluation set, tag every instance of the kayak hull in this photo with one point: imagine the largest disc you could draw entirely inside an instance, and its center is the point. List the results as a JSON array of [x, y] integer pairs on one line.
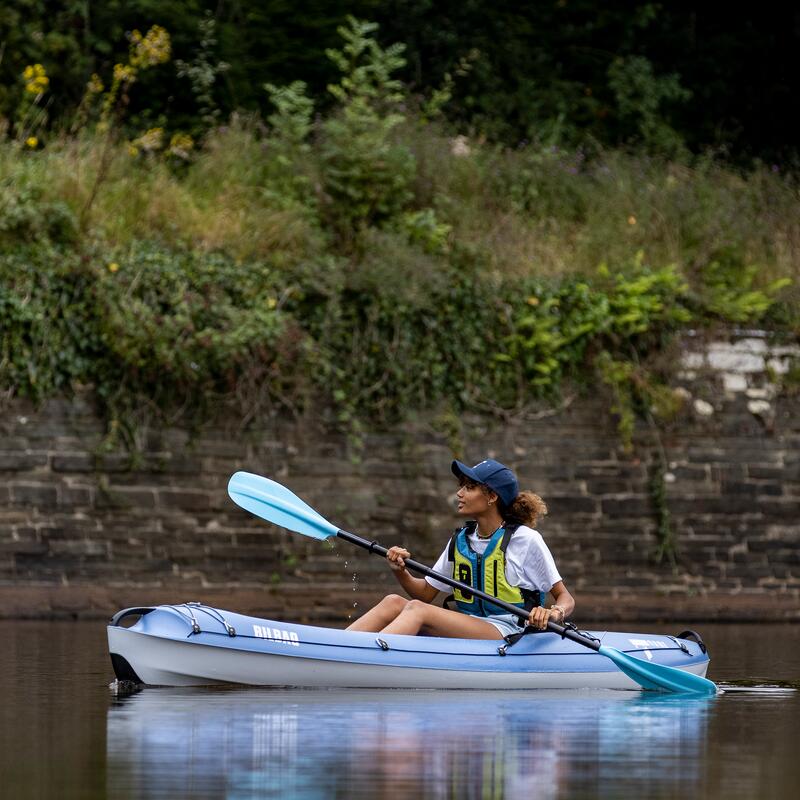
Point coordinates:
[[195, 645]]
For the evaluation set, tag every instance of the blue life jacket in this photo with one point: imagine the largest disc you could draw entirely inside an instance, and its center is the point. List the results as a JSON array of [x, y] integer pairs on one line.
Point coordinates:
[[487, 572]]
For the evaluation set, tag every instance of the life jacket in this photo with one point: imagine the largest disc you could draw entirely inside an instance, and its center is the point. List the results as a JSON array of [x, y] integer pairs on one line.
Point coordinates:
[[487, 572]]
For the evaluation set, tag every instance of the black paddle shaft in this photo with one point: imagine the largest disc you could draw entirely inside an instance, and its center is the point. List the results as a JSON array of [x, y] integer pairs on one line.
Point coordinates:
[[374, 547]]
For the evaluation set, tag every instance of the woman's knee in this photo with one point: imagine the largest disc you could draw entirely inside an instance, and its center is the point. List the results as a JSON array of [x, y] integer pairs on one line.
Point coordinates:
[[394, 603], [415, 607]]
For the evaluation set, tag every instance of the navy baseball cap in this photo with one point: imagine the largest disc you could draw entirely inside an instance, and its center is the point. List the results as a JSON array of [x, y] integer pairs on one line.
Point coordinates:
[[498, 477]]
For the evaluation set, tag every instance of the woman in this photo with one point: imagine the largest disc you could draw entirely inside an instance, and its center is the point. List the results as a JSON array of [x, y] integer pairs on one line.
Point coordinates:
[[498, 551]]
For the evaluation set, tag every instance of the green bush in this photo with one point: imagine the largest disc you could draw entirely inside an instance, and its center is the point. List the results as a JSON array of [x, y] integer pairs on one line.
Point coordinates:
[[365, 265], [25, 218], [729, 289], [48, 322], [366, 174], [156, 332]]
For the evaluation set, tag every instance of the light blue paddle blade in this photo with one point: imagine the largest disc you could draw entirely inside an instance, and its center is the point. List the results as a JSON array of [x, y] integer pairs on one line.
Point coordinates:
[[275, 503], [658, 676]]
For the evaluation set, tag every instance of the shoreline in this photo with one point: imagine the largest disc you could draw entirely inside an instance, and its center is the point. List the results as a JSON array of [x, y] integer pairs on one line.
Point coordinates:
[[83, 602]]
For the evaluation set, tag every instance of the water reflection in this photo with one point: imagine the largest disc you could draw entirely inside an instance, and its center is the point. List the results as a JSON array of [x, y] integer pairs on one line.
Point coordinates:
[[346, 743]]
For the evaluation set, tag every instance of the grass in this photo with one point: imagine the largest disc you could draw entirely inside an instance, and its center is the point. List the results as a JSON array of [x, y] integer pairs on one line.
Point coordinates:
[[554, 213], [527, 212]]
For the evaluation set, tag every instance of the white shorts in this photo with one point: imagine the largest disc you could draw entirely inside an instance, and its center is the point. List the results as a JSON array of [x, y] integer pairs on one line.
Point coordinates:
[[505, 623]]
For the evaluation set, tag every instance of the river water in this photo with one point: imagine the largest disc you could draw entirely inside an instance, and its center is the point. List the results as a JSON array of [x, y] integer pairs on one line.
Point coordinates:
[[63, 735]]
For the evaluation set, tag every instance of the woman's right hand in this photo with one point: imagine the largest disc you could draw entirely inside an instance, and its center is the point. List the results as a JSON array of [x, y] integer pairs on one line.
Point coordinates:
[[396, 557]]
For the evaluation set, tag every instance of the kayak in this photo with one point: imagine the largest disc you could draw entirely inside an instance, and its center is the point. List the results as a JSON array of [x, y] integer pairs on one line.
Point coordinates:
[[192, 644]]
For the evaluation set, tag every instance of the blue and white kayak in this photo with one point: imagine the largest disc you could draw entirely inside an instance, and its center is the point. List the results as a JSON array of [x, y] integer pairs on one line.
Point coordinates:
[[193, 645]]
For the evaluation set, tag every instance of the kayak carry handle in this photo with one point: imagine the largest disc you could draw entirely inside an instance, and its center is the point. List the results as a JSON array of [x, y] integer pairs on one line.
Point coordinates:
[[139, 611], [693, 636]]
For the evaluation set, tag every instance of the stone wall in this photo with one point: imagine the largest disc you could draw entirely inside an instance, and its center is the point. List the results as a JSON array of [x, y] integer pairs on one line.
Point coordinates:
[[83, 533]]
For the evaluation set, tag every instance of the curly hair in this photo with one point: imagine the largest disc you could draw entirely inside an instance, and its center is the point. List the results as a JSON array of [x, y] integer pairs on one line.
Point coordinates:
[[525, 509]]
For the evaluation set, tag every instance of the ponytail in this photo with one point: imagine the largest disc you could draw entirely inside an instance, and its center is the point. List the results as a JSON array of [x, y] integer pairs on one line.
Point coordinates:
[[525, 509]]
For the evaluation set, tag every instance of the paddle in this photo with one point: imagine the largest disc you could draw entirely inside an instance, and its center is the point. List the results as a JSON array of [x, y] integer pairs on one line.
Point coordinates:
[[275, 503]]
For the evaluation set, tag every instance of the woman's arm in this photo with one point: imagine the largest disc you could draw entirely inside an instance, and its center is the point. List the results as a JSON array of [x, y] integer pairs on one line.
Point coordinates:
[[563, 600], [418, 588], [563, 606]]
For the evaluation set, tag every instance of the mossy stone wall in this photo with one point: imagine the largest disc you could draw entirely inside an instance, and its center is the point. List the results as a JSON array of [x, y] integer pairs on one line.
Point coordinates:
[[83, 533]]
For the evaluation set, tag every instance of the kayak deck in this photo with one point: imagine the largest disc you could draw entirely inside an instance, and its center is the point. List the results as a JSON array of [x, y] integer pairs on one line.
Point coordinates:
[[193, 644]]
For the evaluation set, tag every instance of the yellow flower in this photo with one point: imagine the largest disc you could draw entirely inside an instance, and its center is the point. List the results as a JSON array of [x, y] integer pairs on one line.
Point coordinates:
[[31, 142], [36, 80], [271, 302], [94, 84], [133, 150], [631, 220], [151, 49], [532, 300], [113, 266], [123, 73], [150, 140], [180, 145]]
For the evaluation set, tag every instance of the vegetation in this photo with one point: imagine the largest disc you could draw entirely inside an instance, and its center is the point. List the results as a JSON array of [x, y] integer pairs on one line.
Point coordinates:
[[666, 76], [363, 262]]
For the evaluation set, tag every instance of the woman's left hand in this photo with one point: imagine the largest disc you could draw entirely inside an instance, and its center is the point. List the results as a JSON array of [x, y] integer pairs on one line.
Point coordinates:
[[539, 616]]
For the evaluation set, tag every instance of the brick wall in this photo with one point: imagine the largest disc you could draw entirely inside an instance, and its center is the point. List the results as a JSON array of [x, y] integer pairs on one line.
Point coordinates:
[[83, 532]]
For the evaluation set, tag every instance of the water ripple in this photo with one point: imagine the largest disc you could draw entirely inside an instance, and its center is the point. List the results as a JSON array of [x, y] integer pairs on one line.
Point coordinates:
[[767, 688]]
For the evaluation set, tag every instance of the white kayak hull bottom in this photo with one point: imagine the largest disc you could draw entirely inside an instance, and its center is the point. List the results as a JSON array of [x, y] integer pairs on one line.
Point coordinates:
[[163, 649]]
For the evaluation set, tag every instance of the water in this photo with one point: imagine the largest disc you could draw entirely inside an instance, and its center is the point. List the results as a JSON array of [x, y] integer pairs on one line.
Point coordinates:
[[62, 735]]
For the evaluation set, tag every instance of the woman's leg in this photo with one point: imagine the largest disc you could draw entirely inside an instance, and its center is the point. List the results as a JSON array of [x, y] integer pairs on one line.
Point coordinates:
[[379, 616], [419, 617]]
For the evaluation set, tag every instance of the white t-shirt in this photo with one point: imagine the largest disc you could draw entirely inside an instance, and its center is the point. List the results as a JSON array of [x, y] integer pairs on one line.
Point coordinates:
[[529, 563]]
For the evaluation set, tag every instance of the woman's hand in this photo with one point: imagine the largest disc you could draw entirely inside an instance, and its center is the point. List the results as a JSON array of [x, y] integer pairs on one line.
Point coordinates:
[[396, 557], [539, 616]]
